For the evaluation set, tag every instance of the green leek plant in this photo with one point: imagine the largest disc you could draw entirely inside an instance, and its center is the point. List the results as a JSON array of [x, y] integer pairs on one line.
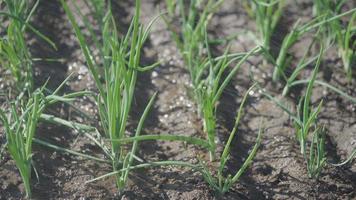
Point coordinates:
[[295, 34], [120, 61], [302, 64], [14, 52], [20, 124], [305, 123], [347, 45], [222, 183], [20, 130], [317, 155], [267, 14], [338, 32], [307, 118], [206, 73], [210, 84]]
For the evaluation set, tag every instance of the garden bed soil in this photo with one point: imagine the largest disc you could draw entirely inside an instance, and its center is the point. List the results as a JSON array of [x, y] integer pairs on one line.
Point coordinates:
[[278, 171]]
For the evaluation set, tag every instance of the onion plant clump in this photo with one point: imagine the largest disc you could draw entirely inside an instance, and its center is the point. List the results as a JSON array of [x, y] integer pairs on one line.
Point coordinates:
[[305, 123], [119, 59], [211, 80], [20, 129], [310, 135], [298, 30], [222, 182], [206, 73], [307, 120], [307, 60], [338, 31], [210, 76], [267, 14], [325, 9], [14, 52], [20, 123], [347, 44], [216, 175]]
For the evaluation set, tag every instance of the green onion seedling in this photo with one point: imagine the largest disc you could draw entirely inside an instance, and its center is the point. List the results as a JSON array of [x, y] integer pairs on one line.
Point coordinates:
[[317, 155], [295, 34], [337, 31], [211, 82], [346, 44], [20, 124], [267, 14], [305, 123], [222, 184], [14, 52], [206, 73], [20, 129], [120, 60], [308, 118]]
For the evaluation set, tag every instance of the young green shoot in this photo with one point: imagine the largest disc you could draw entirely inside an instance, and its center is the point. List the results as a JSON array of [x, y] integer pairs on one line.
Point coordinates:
[[317, 155], [337, 31], [308, 118], [222, 184], [267, 14], [305, 123], [20, 129], [14, 51], [207, 74], [211, 81], [295, 34], [120, 60], [20, 124]]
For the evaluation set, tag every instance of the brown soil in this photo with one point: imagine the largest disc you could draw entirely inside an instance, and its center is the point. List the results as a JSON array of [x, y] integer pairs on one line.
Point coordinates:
[[278, 171]]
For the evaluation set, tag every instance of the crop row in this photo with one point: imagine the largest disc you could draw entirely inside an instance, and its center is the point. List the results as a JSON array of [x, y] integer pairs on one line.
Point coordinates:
[[113, 60]]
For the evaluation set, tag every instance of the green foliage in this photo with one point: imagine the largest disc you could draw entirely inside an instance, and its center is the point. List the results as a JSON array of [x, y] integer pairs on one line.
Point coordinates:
[[298, 30], [20, 129], [317, 155], [339, 32], [207, 73], [222, 183], [305, 123], [191, 44], [211, 82], [113, 60], [308, 118], [267, 14], [14, 52], [191, 37], [120, 61], [20, 123]]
